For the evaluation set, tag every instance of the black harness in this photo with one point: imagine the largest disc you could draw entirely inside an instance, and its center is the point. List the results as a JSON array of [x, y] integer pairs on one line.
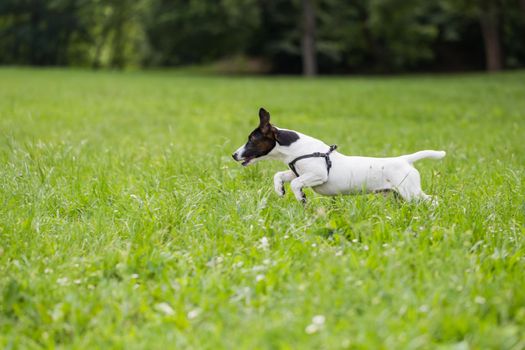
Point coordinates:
[[326, 157]]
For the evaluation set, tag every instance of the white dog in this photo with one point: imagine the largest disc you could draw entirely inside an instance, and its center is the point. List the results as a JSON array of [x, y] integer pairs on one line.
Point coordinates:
[[319, 166]]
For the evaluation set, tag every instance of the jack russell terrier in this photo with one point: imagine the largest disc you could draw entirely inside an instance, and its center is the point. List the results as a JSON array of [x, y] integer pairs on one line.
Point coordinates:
[[319, 166]]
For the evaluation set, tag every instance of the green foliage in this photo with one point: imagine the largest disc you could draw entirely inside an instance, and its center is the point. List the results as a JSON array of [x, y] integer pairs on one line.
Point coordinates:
[[183, 32], [126, 224], [119, 34], [373, 36], [42, 32], [361, 35], [404, 45]]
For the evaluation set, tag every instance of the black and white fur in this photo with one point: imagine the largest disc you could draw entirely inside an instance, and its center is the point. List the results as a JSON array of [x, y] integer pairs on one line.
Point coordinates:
[[348, 174]]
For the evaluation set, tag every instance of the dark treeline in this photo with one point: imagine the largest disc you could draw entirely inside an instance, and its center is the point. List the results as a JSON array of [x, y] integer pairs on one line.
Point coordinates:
[[282, 36]]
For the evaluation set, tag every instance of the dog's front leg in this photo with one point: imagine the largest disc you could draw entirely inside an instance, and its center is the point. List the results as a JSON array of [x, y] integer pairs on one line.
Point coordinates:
[[306, 180], [280, 178]]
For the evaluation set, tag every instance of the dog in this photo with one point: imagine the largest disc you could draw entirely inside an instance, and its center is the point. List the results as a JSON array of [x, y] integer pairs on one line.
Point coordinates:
[[319, 166]]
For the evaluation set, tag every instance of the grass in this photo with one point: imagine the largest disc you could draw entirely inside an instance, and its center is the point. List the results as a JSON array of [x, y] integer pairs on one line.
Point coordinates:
[[126, 224]]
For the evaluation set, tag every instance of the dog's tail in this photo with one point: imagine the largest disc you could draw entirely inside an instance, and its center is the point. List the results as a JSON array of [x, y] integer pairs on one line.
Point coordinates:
[[414, 157]]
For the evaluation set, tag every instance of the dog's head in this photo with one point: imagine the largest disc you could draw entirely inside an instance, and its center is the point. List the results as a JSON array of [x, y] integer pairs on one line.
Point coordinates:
[[261, 141]]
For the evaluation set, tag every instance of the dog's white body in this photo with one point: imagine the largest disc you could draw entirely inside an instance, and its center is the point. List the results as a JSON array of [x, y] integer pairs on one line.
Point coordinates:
[[348, 174]]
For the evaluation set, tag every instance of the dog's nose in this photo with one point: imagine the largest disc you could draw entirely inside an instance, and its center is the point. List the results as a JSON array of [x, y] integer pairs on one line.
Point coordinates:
[[234, 156]]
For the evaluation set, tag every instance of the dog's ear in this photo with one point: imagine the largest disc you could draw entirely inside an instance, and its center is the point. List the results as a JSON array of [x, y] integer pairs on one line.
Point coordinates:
[[264, 120]]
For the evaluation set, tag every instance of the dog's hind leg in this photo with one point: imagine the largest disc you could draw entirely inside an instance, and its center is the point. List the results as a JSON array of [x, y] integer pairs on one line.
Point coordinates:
[[306, 180], [410, 188], [280, 178]]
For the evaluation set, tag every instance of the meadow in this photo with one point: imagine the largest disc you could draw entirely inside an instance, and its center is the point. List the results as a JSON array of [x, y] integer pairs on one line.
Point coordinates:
[[126, 224]]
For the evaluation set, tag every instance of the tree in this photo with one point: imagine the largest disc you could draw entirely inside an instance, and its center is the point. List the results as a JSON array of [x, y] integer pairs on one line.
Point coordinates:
[[290, 36], [199, 31], [489, 17], [488, 14], [118, 33], [309, 54]]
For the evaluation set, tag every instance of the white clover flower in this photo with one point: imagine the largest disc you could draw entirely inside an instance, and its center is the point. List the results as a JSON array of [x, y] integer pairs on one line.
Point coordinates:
[[63, 281], [316, 325], [192, 314], [424, 308], [311, 329], [215, 261], [259, 278], [318, 320], [264, 244], [257, 268], [165, 308], [479, 300]]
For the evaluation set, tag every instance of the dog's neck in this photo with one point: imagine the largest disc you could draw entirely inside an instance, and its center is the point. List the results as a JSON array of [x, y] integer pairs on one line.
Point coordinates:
[[303, 145]]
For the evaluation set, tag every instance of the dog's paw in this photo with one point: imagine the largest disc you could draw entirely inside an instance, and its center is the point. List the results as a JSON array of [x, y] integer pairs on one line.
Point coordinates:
[[301, 197], [279, 189]]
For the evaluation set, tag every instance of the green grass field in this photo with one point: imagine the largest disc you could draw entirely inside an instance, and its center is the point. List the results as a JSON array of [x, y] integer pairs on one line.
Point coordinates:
[[126, 224]]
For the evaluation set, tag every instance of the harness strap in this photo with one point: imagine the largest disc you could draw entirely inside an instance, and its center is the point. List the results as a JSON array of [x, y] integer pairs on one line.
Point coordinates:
[[326, 156]]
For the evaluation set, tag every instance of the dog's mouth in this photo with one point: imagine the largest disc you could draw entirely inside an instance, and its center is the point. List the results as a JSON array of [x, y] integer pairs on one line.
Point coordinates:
[[247, 161]]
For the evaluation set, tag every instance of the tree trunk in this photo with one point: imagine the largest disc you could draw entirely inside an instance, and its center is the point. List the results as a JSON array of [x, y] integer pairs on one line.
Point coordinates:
[[117, 61], [34, 57], [97, 59], [490, 28], [308, 39]]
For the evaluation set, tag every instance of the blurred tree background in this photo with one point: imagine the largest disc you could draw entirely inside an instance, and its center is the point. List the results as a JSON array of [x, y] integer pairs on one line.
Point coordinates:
[[277, 36]]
